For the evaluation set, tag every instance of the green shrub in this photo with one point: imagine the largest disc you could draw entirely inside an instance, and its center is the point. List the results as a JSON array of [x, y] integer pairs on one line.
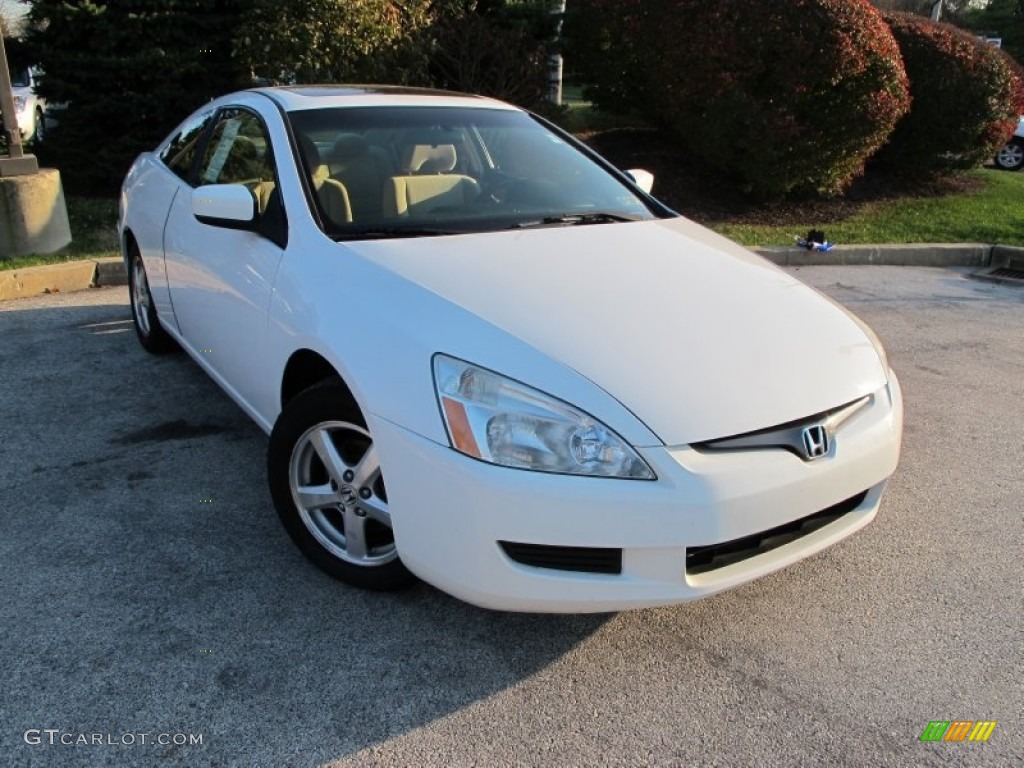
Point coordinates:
[[127, 73], [497, 49], [604, 48], [328, 41], [781, 96], [964, 100]]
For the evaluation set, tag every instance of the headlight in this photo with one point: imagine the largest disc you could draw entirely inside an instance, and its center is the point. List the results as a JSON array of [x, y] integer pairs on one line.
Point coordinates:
[[502, 421]]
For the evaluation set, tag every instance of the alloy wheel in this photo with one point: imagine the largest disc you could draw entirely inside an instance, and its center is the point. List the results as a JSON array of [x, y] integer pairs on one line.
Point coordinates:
[[141, 300], [1011, 157], [337, 487]]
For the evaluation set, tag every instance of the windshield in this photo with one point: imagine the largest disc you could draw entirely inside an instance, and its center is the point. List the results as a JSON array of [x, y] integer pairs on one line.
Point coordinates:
[[404, 171]]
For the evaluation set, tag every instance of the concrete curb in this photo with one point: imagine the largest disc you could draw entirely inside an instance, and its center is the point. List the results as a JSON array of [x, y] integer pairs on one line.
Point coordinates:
[[110, 271], [909, 255], [79, 275], [1006, 256], [62, 278]]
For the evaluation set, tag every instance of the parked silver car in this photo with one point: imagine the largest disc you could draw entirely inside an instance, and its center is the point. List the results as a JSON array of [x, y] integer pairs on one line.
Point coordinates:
[[1011, 156]]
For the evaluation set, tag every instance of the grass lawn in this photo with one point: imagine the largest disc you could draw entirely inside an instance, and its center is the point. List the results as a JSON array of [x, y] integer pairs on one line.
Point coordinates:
[[981, 206], [990, 212], [93, 234]]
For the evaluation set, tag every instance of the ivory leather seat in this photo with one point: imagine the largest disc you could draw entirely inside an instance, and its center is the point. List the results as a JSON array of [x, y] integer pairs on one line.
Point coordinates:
[[363, 169], [421, 195], [331, 194]]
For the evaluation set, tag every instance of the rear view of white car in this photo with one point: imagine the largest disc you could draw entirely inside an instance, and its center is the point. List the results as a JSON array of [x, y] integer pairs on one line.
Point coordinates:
[[488, 359]]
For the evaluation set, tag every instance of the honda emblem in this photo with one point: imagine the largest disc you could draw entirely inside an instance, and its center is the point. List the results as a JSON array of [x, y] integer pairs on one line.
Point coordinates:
[[815, 441]]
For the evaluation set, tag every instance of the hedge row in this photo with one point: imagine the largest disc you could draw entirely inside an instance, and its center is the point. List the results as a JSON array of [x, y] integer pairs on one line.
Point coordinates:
[[782, 96], [966, 99], [123, 95], [799, 95]]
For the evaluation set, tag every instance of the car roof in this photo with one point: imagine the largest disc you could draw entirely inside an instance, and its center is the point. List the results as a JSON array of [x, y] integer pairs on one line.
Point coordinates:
[[294, 98]]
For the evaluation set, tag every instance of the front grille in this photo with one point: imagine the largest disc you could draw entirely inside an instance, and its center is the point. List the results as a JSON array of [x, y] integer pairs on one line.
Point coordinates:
[[582, 559], [714, 556], [792, 436]]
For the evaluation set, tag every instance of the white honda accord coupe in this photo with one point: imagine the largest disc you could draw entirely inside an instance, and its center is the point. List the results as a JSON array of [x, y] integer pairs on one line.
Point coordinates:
[[487, 358]]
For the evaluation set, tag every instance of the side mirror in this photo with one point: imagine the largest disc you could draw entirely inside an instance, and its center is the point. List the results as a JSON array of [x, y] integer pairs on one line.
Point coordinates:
[[643, 179], [225, 205]]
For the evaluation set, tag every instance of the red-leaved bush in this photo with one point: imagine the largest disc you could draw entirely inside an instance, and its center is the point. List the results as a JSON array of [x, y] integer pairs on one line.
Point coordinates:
[[783, 96], [966, 99]]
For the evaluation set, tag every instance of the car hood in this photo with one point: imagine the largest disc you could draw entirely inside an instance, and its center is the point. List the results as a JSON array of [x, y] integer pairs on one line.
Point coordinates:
[[694, 334]]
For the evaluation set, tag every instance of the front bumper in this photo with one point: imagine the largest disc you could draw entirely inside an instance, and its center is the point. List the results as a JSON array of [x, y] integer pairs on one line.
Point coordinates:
[[451, 513]]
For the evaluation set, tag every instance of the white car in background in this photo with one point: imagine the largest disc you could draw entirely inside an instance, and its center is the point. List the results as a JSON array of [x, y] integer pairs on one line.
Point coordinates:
[[487, 358], [29, 108], [1011, 156]]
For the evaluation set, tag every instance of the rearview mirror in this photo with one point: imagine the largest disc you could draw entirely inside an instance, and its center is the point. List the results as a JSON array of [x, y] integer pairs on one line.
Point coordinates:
[[643, 179], [225, 205]]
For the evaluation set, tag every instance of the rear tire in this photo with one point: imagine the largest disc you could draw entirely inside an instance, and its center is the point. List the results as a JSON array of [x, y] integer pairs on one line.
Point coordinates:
[[152, 336], [327, 487], [1011, 156]]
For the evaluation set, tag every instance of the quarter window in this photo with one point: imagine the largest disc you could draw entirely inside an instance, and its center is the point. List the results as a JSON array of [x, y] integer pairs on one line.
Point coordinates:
[[180, 154]]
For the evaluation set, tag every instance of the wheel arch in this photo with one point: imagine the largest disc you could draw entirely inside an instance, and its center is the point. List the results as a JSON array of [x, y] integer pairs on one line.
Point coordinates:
[[128, 242], [306, 368]]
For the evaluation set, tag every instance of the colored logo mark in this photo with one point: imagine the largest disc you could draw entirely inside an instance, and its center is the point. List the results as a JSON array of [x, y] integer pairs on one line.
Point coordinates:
[[958, 730]]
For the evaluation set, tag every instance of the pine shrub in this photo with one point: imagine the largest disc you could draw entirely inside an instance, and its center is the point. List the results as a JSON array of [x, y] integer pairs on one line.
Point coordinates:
[[126, 74]]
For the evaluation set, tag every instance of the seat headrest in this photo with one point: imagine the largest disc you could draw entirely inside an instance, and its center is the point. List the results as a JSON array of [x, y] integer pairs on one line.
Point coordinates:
[[348, 146], [310, 154], [430, 136], [432, 159]]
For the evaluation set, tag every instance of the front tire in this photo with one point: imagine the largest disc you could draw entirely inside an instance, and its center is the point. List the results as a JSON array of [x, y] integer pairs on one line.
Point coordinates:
[[327, 487], [152, 336], [1011, 156]]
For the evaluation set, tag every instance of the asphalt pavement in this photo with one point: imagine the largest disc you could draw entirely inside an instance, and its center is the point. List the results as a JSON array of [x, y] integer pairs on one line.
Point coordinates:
[[149, 598]]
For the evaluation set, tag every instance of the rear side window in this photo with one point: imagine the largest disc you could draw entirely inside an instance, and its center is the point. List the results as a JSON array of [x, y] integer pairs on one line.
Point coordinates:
[[180, 154]]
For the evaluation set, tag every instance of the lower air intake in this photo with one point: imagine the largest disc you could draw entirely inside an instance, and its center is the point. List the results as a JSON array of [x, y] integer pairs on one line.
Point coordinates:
[[709, 558], [580, 559]]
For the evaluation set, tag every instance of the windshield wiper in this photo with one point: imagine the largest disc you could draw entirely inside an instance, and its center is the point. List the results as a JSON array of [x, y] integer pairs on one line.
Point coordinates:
[[377, 233], [573, 219]]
